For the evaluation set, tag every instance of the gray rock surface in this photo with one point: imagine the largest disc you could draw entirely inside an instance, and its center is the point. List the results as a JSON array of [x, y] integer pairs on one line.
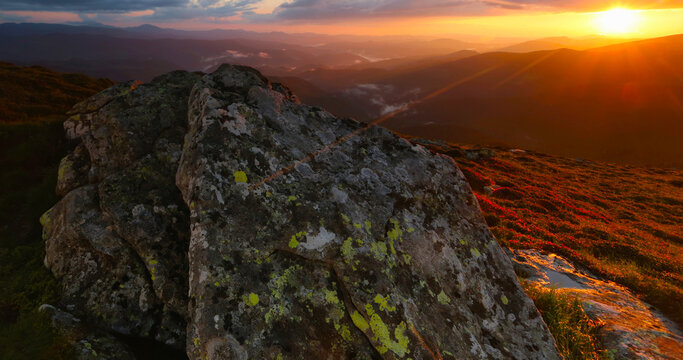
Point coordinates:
[[118, 239], [297, 235], [315, 237]]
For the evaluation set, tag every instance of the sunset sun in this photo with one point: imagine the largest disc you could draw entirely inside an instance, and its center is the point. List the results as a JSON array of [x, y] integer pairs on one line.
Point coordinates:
[[617, 21]]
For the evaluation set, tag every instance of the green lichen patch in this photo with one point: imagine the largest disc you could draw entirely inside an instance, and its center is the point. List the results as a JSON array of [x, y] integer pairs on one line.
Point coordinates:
[[368, 226], [347, 250], [331, 296], [294, 240], [382, 335], [396, 232], [383, 303], [240, 177], [251, 299], [443, 299], [359, 321], [64, 166]]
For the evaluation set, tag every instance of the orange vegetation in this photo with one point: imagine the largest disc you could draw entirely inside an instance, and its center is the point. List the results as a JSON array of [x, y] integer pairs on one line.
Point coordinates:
[[621, 222]]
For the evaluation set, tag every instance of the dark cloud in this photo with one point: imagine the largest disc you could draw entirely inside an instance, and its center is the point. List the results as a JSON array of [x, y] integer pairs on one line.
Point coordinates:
[[88, 5], [13, 18], [115, 10], [317, 9], [306, 10]]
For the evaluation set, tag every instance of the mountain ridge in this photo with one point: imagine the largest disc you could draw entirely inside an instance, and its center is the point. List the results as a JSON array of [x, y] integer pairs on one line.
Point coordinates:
[[610, 104]]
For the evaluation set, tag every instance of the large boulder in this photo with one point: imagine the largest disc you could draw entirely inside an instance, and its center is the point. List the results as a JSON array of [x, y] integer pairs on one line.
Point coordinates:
[[118, 238], [218, 215], [314, 237]]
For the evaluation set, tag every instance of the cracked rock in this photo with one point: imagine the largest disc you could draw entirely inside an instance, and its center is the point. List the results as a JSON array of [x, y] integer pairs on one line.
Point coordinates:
[[216, 213]]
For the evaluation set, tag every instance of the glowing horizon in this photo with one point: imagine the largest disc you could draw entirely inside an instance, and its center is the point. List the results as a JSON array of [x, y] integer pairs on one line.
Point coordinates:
[[496, 24]]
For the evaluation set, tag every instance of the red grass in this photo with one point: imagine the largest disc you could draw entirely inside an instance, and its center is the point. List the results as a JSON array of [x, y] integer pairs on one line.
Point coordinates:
[[621, 222]]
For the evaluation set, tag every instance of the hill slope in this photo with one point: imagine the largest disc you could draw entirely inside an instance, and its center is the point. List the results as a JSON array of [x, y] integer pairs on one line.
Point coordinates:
[[33, 102], [622, 222], [32, 93], [552, 43], [620, 103]]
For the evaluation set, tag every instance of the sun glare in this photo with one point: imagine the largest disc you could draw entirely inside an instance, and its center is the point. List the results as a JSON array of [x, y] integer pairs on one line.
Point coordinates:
[[617, 21]]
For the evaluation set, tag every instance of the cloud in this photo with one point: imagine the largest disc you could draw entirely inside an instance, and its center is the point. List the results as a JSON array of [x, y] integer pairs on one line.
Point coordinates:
[[138, 10], [247, 11], [88, 5], [317, 9], [4, 17]]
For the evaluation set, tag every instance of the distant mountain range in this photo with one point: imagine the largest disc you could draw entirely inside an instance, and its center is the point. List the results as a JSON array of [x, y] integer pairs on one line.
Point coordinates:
[[618, 103], [143, 53], [552, 43], [146, 51]]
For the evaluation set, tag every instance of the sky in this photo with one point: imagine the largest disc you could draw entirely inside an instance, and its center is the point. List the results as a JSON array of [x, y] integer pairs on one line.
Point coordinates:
[[481, 18]]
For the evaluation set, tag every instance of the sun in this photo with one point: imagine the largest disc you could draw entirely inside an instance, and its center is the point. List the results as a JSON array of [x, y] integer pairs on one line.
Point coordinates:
[[617, 21]]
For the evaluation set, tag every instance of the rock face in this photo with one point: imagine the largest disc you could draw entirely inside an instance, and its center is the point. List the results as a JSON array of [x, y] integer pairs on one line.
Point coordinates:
[[118, 239], [310, 237]]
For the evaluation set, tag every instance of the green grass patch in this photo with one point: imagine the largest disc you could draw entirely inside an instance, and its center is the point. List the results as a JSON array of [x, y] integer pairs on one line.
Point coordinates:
[[32, 337], [575, 333]]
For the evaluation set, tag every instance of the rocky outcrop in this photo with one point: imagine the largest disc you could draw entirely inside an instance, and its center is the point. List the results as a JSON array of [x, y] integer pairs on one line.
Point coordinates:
[[118, 239], [310, 237]]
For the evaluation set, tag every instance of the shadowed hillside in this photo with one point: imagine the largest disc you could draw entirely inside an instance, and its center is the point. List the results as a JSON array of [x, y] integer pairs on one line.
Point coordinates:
[[38, 94], [33, 103]]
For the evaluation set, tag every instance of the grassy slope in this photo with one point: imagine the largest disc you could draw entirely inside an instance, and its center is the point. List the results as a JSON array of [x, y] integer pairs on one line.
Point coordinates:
[[621, 222], [38, 94], [32, 105]]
